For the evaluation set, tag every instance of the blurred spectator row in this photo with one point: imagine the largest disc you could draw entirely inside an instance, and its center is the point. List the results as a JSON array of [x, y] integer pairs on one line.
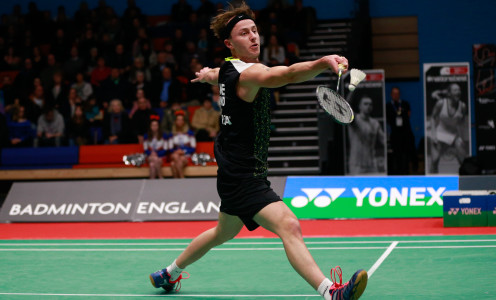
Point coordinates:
[[99, 77]]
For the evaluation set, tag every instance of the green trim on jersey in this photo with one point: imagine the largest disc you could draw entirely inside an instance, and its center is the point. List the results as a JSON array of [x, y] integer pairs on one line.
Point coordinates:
[[230, 58], [261, 125]]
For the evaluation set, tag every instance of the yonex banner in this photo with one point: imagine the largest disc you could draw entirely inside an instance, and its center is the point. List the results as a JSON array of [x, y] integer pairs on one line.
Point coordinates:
[[367, 197]]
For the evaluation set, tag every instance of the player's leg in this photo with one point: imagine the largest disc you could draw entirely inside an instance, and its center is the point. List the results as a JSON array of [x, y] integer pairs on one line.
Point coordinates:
[[279, 219], [227, 228]]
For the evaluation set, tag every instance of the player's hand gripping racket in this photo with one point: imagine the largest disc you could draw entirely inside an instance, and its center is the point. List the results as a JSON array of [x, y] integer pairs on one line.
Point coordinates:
[[334, 104]]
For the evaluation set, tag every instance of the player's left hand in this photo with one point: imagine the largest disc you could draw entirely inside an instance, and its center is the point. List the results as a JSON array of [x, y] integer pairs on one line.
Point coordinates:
[[200, 76]]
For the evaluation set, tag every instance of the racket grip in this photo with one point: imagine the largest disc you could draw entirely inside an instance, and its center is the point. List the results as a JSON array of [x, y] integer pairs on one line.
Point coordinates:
[[341, 67]]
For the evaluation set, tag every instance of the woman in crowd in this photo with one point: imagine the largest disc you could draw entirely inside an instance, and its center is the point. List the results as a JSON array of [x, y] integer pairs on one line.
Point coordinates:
[[183, 145], [156, 146]]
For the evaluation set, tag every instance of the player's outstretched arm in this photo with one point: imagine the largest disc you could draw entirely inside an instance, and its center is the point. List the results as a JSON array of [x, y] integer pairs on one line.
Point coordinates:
[[263, 76], [207, 75]]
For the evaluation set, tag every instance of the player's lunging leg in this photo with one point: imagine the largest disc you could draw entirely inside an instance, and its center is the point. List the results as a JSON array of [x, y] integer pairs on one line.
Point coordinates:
[[279, 219], [227, 228]]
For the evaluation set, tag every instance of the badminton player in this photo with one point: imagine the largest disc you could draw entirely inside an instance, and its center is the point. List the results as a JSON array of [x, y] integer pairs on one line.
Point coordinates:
[[241, 153]]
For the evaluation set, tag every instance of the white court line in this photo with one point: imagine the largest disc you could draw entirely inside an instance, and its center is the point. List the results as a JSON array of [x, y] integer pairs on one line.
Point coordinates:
[[163, 296], [446, 247], [177, 249], [233, 249], [244, 243], [382, 258]]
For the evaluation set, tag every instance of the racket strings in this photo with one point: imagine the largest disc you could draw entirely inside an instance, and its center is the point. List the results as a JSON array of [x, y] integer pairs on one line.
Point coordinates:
[[335, 105]]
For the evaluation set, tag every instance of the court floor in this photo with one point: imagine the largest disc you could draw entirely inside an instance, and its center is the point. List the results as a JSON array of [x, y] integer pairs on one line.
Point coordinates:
[[420, 267]]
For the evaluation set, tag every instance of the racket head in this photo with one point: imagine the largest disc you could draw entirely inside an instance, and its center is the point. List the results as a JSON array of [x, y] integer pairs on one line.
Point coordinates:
[[335, 105]]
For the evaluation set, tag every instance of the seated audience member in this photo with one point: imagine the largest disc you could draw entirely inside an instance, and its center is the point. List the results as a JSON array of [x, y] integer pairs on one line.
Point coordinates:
[[35, 104], [114, 87], [100, 73], [92, 111], [117, 128], [168, 89], [206, 122], [20, 129], [141, 118], [83, 88], [156, 146], [50, 129], [274, 54], [78, 128], [57, 93], [169, 116], [183, 144]]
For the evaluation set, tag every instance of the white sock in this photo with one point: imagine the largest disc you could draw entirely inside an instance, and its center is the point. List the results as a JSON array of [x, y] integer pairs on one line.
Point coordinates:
[[174, 271], [324, 289]]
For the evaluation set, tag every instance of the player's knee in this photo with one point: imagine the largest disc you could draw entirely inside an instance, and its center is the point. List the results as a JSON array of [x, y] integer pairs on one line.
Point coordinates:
[[291, 226]]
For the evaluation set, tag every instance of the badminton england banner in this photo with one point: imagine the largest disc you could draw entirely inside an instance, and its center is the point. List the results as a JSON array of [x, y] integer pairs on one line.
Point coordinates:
[[365, 151], [367, 197], [484, 62], [116, 200], [447, 116]]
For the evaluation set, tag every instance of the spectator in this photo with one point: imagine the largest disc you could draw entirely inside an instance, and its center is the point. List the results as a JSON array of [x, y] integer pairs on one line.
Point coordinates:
[[68, 106], [11, 60], [83, 88], [180, 11], [47, 72], [117, 128], [35, 104], [156, 146], [78, 128], [100, 73], [401, 137], [114, 87], [205, 12], [37, 59], [215, 97], [24, 80], [169, 88], [206, 122], [141, 118], [183, 145], [120, 60], [73, 65], [273, 54], [92, 61], [148, 54], [169, 115], [139, 66], [20, 129], [58, 92], [92, 112], [141, 84], [50, 129], [8, 91]]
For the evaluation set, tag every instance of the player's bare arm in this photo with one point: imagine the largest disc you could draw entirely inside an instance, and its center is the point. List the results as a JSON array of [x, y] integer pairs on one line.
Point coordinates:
[[207, 75], [263, 76]]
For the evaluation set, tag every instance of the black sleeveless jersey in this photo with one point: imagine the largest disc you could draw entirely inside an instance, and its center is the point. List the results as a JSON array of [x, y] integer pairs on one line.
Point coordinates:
[[242, 145]]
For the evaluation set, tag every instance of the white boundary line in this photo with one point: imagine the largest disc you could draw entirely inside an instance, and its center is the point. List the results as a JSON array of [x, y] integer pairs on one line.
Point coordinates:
[[163, 296], [382, 258], [233, 249], [243, 243]]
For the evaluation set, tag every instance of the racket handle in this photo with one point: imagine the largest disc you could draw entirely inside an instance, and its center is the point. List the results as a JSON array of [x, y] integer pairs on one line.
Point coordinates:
[[341, 67]]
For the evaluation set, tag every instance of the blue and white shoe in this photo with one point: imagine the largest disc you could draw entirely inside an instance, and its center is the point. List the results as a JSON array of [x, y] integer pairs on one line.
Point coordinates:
[[352, 289], [162, 279]]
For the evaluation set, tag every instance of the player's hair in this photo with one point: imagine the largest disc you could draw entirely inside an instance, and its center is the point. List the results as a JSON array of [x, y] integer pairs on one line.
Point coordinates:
[[219, 22]]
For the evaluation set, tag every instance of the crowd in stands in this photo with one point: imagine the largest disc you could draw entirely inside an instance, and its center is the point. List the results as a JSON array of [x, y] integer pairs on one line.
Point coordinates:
[[98, 78]]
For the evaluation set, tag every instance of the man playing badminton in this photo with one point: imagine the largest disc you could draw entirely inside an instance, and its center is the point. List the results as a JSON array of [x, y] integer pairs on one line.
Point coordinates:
[[241, 153]]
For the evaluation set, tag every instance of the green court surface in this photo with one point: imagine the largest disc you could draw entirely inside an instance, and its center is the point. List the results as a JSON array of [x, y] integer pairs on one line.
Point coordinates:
[[422, 267]]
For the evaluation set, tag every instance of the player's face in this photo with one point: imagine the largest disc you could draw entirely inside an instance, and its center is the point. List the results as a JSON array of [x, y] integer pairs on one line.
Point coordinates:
[[366, 106], [455, 92], [245, 41]]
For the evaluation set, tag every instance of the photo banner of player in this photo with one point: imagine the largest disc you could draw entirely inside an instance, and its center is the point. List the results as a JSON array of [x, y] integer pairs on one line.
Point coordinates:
[[447, 116], [365, 138], [484, 61]]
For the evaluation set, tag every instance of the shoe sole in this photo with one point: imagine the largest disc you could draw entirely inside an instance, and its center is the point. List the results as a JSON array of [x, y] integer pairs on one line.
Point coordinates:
[[359, 284], [153, 282]]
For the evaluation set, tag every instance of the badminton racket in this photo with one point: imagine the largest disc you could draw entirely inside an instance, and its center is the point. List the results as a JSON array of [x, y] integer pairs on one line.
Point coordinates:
[[340, 71], [335, 105]]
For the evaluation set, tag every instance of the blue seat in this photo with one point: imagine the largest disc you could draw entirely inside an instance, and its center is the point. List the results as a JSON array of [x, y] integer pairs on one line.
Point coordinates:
[[39, 158]]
